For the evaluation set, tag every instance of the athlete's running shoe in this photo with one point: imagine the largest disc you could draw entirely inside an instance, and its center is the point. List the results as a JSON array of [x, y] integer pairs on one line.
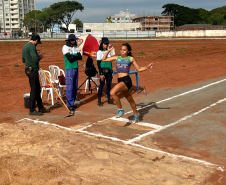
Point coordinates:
[[135, 118], [120, 113]]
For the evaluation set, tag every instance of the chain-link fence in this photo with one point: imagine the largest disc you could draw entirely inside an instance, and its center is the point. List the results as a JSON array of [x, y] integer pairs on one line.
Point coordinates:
[[3, 36], [105, 33]]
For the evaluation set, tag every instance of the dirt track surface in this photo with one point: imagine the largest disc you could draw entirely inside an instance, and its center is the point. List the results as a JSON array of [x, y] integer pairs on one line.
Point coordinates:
[[37, 153]]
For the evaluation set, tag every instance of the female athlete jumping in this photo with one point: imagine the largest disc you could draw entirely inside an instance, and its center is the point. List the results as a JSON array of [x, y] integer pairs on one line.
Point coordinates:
[[123, 64]]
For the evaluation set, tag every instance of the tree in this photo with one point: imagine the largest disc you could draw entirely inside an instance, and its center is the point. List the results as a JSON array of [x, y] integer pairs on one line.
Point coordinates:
[[109, 20], [66, 10], [31, 20], [78, 23], [182, 15], [220, 10], [49, 18], [217, 19], [204, 15]]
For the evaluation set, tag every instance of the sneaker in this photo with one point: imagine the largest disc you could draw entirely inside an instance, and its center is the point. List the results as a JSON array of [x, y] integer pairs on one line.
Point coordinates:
[[35, 113], [135, 118], [110, 102], [99, 103], [120, 113], [43, 110], [71, 108]]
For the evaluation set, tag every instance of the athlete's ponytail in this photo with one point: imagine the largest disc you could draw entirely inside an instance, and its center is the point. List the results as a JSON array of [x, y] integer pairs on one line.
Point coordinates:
[[129, 49]]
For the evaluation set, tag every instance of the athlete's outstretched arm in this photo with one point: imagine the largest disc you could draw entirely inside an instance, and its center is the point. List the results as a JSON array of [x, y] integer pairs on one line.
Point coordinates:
[[138, 68], [109, 59]]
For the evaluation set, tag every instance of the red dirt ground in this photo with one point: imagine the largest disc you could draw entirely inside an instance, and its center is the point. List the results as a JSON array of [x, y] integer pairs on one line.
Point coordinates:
[[177, 63]]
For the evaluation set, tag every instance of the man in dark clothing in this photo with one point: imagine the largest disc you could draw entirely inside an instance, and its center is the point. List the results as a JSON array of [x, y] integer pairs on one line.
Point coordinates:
[[31, 58]]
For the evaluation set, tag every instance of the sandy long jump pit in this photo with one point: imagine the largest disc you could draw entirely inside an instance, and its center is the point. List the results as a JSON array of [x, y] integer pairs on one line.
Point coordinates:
[[35, 153]]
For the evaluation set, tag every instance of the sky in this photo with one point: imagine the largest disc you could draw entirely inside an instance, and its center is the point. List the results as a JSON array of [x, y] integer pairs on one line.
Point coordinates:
[[96, 11]]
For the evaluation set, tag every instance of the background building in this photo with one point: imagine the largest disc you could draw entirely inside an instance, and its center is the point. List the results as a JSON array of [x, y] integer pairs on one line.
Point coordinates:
[[155, 22], [110, 27], [12, 13], [123, 17]]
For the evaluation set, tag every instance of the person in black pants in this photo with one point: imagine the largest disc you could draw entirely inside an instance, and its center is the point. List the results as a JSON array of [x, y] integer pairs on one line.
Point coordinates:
[[105, 71], [31, 58]]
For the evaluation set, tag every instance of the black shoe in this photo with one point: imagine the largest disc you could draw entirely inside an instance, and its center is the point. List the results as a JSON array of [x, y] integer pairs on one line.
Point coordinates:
[[35, 113], [43, 110], [99, 103], [111, 102], [71, 108]]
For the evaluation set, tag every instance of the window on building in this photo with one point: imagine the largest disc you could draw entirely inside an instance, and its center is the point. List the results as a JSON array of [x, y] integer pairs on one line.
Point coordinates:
[[7, 24], [88, 30], [155, 28], [6, 14], [7, 28], [156, 18], [7, 19], [6, 0], [1, 14], [118, 18], [6, 4]]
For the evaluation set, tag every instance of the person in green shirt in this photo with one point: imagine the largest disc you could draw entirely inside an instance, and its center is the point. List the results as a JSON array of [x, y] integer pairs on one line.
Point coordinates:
[[105, 71], [71, 56], [31, 59]]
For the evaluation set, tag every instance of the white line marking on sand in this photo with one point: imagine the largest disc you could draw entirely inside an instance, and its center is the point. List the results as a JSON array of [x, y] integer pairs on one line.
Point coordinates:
[[132, 144], [139, 123], [174, 123]]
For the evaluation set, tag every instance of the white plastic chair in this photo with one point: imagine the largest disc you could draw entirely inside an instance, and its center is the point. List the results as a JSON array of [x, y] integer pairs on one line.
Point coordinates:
[[95, 80], [53, 75], [44, 82], [58, 72]]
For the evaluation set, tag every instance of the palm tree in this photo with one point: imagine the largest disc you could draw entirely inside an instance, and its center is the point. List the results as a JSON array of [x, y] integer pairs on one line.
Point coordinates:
[[109, 19]]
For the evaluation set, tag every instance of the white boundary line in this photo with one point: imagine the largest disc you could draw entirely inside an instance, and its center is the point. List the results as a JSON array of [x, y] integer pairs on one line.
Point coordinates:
[[182, 94], [128, 143], [174, 123], [139, 123]]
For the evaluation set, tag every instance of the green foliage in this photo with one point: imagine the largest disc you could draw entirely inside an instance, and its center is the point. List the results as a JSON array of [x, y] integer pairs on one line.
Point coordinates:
[[78, 23], [108, 19], [217, 19], [66, 10], [220, 10], [31, 19], [204, 15], [20, 33], [183, 15], [49, 18]]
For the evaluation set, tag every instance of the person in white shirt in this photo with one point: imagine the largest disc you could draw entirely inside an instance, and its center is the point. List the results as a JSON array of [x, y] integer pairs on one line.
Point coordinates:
[[105, 70]]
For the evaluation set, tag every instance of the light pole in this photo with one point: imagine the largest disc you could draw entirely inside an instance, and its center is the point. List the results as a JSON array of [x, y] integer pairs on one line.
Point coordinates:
[[103, 29]]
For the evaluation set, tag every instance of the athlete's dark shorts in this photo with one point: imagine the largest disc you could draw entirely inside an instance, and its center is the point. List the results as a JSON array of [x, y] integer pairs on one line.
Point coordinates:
[[126, 80]]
